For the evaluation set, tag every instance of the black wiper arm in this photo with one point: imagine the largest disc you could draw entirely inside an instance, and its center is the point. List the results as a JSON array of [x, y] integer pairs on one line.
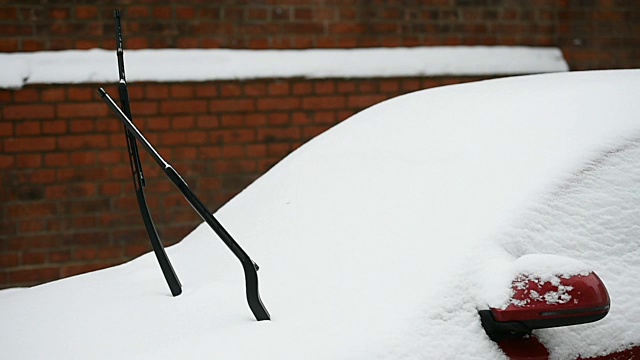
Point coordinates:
[[138, 177], [250, 268]]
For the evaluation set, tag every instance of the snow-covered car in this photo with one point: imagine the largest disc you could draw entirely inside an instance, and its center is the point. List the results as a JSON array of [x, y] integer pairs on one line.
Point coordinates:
[[389, 235]]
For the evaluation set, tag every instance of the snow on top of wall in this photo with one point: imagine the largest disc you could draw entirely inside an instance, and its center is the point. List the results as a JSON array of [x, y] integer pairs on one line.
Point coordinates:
[[98, 65]]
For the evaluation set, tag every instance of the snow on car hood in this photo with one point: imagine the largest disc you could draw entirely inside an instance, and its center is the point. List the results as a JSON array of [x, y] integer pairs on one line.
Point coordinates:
[[381, 238]]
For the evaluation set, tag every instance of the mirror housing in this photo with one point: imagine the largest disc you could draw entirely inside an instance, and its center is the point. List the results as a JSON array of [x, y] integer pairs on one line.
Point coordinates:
[[545, 303]]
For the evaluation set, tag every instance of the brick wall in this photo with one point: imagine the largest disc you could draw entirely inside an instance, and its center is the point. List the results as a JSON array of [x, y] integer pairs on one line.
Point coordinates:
[[592, 33], [66, 198]]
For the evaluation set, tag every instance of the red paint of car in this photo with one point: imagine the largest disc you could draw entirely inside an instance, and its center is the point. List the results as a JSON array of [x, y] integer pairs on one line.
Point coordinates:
[[529, 348], [543, 301]]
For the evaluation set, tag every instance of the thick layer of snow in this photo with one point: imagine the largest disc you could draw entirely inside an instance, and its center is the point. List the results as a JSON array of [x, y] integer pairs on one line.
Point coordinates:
[[381, 238], [75, 66]]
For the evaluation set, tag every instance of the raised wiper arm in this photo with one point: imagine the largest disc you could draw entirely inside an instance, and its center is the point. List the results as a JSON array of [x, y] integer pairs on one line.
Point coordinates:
[[138, 177], [250, 268]]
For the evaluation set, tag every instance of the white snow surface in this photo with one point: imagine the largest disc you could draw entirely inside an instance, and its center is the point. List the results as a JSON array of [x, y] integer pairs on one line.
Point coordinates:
[[98, 65], [382, 237]]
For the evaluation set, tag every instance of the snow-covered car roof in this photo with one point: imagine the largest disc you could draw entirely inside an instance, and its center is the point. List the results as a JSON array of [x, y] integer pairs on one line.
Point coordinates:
[[383, 237]]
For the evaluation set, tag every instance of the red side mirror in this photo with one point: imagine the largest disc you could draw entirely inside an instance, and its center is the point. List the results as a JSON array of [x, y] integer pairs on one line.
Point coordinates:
[[537, 304]]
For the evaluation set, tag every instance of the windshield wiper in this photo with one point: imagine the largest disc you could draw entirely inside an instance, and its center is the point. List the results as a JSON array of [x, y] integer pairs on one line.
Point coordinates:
[[249, 266]]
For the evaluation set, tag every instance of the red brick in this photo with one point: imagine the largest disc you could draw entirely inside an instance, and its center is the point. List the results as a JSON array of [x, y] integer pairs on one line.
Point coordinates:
[[32, 242], [27, 128], [270, 104], [189, 153], [231, 120], [82, 126], [410, 85], [53, 94], [183, 106], [390, 86], [162, 12], [232, 105], [31, 226], [137, 43], [80, 94], [188, 43], [51, 127], [113, 126], [30, 144], [181, 91], [8, 45], [138, 12], [185, 12], [196, 138], [144, 108], [7, 161], [6, 95], [301, 118], [367, 86], [34, 258], [279, 88], [255, 89], [324, 87], [234, 166], [42, 176], [81, 110], [173, 138], [26, 96], [278, 149], [9, 13], [33, 276], [234, 136], [135, 250], [256, 150], [34, 111], [278, 134], [325, 117], [70, 270], [85, 142], [10, 259], [364, 101], [59, 13], [256, 119], [278, 119], [92, 238], [309, 132], [232, 151], [32, 45], [158, 123], [207, 121], [111, 188], [206, 90], [84, 222], [83, 158], [183, 122], [156, 91], [56, 159], [110, 157], [303, 88], [29, 160], [86, 12], [59, 256], [323, 102], [231, 90]]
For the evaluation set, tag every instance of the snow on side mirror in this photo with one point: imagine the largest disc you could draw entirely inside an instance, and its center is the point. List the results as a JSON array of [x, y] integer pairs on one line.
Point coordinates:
[[538, 302]]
